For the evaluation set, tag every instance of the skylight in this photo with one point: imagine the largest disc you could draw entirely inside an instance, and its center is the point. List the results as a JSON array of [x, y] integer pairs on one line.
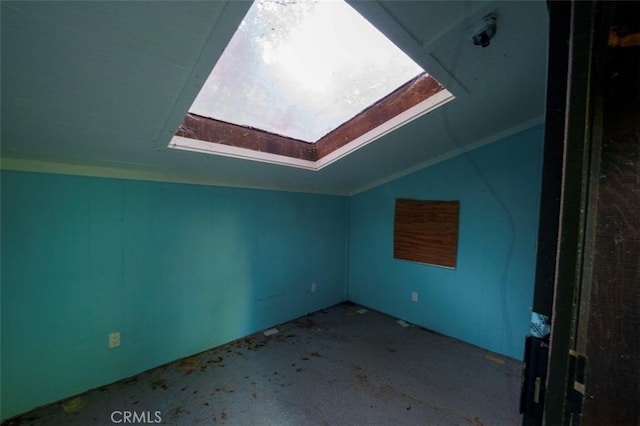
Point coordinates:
[[303, 83], [300, 69]]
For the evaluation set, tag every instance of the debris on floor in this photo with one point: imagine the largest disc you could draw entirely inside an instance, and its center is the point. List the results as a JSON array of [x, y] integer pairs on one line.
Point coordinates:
[[357, 371], [160, 383], [189, 365], [305, 322], [73, 405], [362, 311], [494, 358], [403, 323], [271, 332]]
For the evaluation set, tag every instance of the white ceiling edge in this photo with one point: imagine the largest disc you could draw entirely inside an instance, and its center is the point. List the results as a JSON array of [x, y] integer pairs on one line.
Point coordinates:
[[212, 148], [18, 164], [9, 163], [453, 153]]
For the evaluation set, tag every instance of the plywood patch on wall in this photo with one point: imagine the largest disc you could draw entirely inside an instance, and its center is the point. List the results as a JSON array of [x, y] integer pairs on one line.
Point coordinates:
[[426, 231]]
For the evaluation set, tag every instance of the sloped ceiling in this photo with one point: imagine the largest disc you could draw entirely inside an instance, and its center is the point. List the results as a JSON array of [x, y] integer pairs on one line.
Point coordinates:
[[99, 88]]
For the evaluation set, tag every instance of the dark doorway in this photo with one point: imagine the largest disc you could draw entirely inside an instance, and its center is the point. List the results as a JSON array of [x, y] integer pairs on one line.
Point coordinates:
[[588, 274]]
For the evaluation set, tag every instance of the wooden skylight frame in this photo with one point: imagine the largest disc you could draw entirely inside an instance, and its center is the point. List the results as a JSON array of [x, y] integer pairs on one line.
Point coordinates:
[[413, 99]]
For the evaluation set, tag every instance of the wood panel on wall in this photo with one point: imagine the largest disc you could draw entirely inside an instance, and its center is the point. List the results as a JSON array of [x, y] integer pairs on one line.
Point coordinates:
[[426, 231]]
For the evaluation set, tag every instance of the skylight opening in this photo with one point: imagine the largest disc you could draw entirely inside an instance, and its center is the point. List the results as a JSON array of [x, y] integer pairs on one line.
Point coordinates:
[[293, 78], [286, 71]]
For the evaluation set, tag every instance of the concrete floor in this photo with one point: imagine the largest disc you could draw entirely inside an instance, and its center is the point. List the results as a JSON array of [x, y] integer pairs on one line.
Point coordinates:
[[333, 367]]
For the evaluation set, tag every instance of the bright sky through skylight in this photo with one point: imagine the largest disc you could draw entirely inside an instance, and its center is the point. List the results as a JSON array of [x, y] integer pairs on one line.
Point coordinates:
[[302, 68]]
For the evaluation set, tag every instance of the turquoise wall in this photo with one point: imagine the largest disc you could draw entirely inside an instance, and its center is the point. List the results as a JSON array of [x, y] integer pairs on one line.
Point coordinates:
[[487, 299], [177, 269]]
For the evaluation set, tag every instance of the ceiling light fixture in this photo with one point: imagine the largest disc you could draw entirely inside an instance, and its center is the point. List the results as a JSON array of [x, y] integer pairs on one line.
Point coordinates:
[[484, 30]]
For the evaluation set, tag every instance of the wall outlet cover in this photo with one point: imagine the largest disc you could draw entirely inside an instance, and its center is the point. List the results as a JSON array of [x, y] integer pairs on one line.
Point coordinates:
[[114, 339]]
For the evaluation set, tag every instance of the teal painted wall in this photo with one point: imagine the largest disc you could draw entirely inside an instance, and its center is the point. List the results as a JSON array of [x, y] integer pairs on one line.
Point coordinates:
[[487, 299], [177, 269]]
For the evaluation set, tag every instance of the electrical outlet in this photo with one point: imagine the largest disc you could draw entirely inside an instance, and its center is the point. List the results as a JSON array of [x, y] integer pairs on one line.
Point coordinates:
[[114, 339], [314, 287], [414, 296]]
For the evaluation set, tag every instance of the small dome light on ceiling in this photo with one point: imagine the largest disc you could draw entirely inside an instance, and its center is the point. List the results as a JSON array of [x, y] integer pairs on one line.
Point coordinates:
[[483, 31]]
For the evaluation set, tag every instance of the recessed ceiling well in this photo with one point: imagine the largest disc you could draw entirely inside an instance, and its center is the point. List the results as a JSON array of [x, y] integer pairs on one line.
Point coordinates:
[[304, 83]]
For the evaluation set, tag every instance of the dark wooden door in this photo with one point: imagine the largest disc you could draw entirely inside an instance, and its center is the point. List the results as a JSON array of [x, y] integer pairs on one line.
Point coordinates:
[[592, 251], [608, 325]]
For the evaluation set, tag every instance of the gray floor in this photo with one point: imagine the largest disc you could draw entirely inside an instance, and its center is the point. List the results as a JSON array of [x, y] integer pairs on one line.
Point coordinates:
[[333, 367]]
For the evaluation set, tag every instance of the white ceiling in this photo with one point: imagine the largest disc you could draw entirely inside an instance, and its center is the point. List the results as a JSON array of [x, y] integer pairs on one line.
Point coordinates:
[[99, 88]]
